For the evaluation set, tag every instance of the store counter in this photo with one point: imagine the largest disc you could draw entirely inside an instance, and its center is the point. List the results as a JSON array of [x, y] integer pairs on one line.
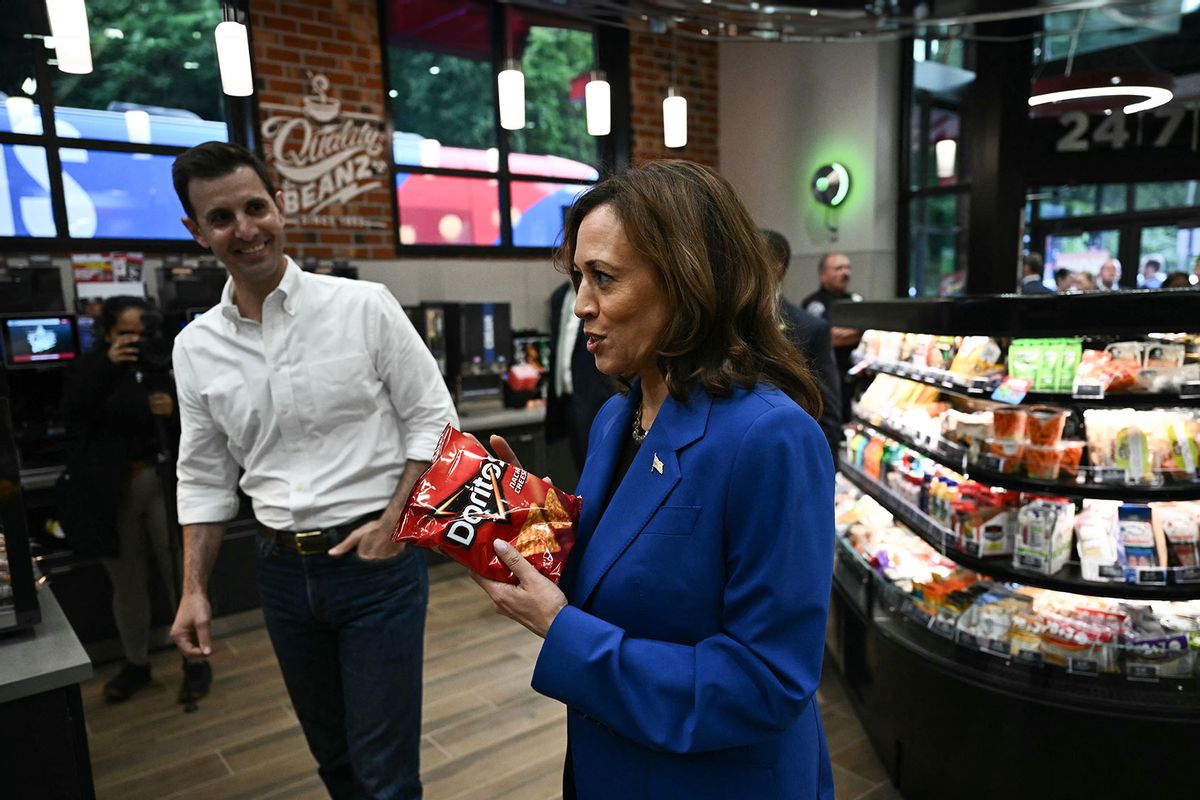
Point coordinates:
[[44, 747]]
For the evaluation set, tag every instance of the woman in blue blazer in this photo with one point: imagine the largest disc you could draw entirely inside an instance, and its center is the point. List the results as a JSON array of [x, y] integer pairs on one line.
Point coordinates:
[[686, 634]]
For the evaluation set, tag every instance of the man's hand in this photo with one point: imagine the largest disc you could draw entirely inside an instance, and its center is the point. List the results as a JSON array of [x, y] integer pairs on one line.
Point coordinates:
[[373, 540], [190, 631], [535, 601]]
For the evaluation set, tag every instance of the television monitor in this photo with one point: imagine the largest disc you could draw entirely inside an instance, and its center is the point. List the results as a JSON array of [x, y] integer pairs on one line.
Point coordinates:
[[25, 289], [38, 341], [180, 289]]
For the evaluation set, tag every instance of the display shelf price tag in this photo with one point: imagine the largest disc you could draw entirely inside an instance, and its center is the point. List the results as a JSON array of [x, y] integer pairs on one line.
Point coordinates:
[[979, 386], [1189, 390], [1012, 390], [1151, 577], [943, 627], [969, 640], [1088, 391], [1146, 673], [1186, 574], [997, 647], [915, 613], [1084, 666], [1031, 657]]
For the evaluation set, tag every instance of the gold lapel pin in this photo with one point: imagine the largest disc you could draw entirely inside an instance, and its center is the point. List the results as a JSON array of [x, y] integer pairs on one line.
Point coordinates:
[[657, 466]]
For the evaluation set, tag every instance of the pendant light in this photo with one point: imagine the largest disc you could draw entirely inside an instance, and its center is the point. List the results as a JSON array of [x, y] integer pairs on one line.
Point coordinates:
[[945, 151], [72, 43], [674, 119], [598, 99], [674, 111], [510, 84], [233, 57]]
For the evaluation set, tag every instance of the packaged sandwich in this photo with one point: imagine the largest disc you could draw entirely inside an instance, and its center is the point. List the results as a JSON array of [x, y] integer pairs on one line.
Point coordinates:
[[467, 499]]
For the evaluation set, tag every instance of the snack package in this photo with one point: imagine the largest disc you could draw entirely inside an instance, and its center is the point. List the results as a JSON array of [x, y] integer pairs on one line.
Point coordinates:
[[1043, 541], [467, 499]]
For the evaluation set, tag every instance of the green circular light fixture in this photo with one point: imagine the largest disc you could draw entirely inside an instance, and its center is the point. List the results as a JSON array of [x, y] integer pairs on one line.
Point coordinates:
[[831, 184]]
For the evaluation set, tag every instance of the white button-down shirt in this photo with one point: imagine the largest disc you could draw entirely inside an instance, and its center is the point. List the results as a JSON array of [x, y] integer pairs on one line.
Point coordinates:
[[321, 404]]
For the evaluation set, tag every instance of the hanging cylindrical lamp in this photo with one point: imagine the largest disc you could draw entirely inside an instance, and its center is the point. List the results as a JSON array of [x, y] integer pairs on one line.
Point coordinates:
[[510, 84], [598, 99], [72, 43], [233, 58], [674, 119], [945, 151]]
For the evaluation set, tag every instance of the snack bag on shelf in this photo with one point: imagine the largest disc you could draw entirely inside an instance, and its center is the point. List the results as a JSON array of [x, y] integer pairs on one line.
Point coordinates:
[[1154, 645], [1096, 541], [1137, 547], [977, 356], [1043, 541], [1179, 525]]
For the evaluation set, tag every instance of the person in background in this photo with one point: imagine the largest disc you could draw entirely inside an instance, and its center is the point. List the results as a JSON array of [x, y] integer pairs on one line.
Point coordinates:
[[1031, 275], [1085, 281], [1064, 279], [833, 272], [112, 411], [1151, 275], [811, 336], [320, 389], [1109, 277], [686, 635], [577, 389], [1177, 280]]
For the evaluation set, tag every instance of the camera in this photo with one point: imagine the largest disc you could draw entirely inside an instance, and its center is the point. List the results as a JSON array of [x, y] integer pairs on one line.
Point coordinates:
[[154, 351]]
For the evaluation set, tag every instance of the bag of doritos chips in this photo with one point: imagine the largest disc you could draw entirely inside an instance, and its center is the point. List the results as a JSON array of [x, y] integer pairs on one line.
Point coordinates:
[[467, 499]]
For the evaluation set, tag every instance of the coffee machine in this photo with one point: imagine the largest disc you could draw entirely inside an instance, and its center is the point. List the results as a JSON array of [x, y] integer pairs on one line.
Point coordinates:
[[472, 344]]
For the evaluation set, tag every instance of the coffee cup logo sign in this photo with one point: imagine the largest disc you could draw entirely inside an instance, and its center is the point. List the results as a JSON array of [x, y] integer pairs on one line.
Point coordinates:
[[326, 157]]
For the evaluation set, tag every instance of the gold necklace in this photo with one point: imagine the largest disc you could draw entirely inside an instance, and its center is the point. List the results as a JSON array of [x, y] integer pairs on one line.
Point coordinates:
[[639, 433]]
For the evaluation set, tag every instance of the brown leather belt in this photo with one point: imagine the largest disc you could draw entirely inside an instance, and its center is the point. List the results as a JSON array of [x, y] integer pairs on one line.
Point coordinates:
[[316, 541]]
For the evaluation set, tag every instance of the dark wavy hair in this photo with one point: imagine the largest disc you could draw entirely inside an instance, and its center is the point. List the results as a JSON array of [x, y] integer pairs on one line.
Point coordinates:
[[212, 160], [110, 312], [713, 263]]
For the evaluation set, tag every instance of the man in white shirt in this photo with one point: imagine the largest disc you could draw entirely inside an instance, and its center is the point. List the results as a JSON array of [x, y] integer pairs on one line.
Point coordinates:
[[322, 392]]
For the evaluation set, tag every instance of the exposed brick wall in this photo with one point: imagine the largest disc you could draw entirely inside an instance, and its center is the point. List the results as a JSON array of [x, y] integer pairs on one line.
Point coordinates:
[[696, 73], [339, 38]]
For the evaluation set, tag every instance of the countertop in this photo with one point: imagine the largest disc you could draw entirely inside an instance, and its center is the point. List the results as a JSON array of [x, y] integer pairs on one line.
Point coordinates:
[[50, 657]]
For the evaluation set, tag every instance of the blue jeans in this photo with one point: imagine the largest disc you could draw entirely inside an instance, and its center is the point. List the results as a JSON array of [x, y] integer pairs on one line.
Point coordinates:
[[348, 634]]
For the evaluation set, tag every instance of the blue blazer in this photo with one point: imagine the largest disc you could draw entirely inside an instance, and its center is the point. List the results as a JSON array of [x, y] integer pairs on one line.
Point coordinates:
[[690, 652]]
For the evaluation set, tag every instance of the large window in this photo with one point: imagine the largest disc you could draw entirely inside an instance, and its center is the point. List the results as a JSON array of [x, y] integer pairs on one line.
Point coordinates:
[[97, 165], [936, 189], [1078, 228], [461, 180]]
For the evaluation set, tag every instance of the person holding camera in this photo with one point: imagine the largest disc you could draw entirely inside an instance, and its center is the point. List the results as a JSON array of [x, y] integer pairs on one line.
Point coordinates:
[[116, 507]]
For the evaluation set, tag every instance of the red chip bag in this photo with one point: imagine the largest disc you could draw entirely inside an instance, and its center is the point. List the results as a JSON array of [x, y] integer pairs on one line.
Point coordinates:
[[467, 499]]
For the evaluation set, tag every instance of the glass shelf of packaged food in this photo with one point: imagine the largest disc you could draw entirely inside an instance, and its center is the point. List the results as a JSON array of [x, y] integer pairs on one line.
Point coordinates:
[[1097, 653], [1157, 583], [1124, 313], [1009, 465], [981, 388]]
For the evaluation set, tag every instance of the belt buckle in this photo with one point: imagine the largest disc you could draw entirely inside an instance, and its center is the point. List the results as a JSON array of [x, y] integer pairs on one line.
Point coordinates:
[[310, 543]]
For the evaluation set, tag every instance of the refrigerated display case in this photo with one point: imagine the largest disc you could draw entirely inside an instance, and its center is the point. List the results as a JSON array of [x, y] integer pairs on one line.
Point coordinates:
[[1006, 664]]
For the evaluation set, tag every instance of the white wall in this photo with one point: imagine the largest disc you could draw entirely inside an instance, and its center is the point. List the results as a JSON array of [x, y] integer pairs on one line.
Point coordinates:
[[787, 109], [526, 284]]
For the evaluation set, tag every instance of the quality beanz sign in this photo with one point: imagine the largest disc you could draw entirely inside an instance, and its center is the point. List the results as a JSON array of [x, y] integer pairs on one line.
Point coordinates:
[[325, 157]]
